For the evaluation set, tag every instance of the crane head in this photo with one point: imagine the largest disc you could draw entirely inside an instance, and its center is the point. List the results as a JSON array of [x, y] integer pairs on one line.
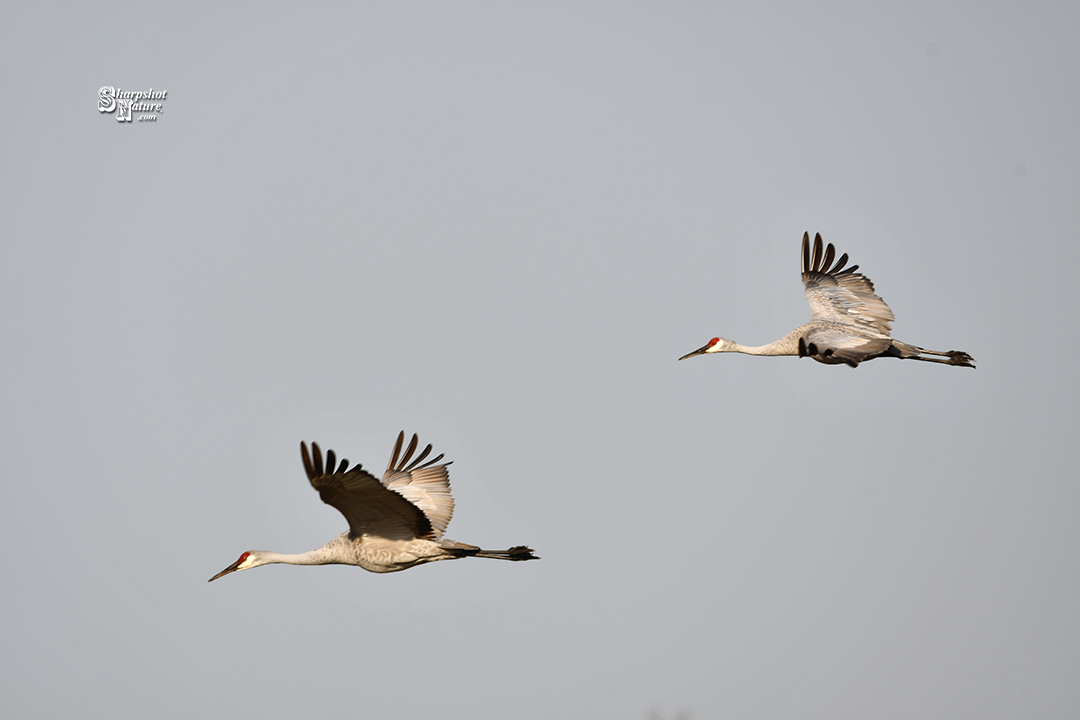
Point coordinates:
[[246, 561], [717, 344]]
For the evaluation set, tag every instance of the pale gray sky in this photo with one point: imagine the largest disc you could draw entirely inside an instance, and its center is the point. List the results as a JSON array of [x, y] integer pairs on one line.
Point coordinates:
[[498, 225]]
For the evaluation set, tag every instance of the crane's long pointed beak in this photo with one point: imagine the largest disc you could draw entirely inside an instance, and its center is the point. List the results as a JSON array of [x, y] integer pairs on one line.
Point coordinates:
[[232, 568], [699, 351]]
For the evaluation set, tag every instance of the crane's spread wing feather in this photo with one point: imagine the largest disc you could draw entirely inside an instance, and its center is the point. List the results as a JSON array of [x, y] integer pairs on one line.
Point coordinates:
[[369, 506], [841, 296], [426, 486]]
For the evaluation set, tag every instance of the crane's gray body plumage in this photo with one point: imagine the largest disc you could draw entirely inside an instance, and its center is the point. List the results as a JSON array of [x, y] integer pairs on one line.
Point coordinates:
[[394, 524], [849, 323]]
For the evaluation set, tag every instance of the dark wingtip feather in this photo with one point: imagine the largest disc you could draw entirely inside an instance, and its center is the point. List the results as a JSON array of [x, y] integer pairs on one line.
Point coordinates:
[[397, 449], [317, 458], [426, 451], [815, 264], [331, 462], [839, 266], [806, 252], [409, 450], [830, 251], [307, 460]]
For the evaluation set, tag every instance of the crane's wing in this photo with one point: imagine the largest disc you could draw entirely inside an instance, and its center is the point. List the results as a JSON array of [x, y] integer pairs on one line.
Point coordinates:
[[426, 486], [840, 295], [368, 505]]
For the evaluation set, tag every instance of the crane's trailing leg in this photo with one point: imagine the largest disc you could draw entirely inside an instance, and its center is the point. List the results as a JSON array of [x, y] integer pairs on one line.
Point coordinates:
[[460, 549], [912, 352], [518, 552]]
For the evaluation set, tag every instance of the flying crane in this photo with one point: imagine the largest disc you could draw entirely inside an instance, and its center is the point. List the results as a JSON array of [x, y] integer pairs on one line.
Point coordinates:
[[848, 322], [393, 525]]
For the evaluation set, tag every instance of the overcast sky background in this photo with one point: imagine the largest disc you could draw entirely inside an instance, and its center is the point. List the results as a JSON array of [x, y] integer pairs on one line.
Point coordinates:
[[498, 226]]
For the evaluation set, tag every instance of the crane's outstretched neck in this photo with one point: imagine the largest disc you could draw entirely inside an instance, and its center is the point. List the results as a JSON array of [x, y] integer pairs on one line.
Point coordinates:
[[328, 554], [332, 552], [787, 345], [313, 557]]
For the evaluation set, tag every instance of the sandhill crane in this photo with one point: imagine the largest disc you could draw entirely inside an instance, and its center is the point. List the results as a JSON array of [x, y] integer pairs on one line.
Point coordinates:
[[393, 525], [848, 322]]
